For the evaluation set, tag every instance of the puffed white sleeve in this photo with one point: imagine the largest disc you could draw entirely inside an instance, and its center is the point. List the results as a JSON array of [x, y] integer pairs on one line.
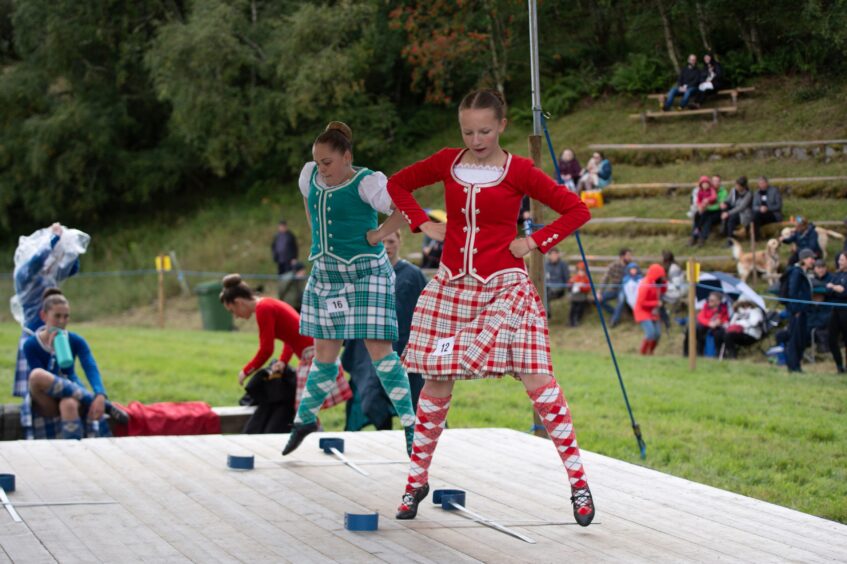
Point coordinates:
[[373, 189], [306, 178]]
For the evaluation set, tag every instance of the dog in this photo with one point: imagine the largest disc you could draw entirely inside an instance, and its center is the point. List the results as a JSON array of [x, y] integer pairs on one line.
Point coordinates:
[[823, 236], [766, 262]]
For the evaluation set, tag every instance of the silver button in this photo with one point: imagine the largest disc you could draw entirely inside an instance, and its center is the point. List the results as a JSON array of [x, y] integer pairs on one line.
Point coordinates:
[[475, 251], [330, 235], [478, 190], [461, 271], [330, 248], [476, 211], [462, 250], [473, 270], [476, 230], [329, 221], [465, 229], [328, 209], [463, 210], [330, 196], [466, 190]]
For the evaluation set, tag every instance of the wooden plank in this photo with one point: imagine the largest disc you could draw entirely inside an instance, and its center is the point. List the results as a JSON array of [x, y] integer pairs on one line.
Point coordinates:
[[671, 114], [703, 146], [687, 184]]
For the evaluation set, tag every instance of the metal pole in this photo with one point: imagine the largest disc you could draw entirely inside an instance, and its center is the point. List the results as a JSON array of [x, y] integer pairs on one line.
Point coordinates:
[[533, 68], [692, 319], [536, 210]]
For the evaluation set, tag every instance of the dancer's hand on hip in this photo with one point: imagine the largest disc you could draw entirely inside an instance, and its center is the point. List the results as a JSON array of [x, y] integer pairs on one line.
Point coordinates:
[[522, 247], [435, 231]]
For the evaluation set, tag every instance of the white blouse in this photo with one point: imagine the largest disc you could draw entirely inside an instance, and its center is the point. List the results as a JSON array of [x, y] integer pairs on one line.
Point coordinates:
[[477, 174], [373, 189]]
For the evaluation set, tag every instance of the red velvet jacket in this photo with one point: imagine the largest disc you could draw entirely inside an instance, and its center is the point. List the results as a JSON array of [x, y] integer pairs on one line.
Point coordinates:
[[482, 218]]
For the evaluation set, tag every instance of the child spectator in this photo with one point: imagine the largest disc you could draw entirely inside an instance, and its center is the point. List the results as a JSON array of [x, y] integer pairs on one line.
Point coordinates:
[[711, 320], [737, 209], [744, 327], [596, 174], [556, 274], [707, 195], [767, 206], [648, 305], [628, 291], [569, 169], [580, 288]]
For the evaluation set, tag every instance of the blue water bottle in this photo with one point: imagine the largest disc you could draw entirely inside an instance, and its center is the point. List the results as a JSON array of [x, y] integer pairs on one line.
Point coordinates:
[[62, 346]]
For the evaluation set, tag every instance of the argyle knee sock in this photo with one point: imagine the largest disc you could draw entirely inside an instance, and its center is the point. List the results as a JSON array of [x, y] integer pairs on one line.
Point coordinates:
[[551, 406], [62, 388], [395, 382], [431, 419], [72, 429], [320, 382]]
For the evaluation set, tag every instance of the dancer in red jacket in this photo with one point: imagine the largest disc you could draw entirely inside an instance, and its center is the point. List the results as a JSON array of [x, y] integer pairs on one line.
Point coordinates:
[[481, 317], [648, 305]]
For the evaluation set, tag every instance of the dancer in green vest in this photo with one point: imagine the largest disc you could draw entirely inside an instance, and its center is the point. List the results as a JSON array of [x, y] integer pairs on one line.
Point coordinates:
[[350, 293]]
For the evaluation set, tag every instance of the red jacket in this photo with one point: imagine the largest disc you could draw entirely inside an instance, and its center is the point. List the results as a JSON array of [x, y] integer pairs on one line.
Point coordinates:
[[481, 218], [277, 320], [707, 313], [649, 294]]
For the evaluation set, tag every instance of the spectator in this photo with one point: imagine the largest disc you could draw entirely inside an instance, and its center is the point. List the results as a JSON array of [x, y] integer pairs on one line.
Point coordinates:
[[707, 195], [711, 320], [648, 305], [819, 315], [805, 236], [612, 280], [580, 288], [284, 249], [556, 274], [799, 288], [370, 403], [715, 208], [569, 169], [57, 401], [629, 291], [767, 206], [711, 78], [596, 174], [675, 290], [837, 294], [744, 328], [738, 208], [686, 84]]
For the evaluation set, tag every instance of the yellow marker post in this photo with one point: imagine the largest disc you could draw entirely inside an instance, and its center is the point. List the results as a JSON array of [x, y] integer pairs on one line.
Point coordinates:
[[692, 273], [163, 264]]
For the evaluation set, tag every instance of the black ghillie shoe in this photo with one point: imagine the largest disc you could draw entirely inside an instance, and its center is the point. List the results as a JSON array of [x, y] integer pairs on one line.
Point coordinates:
[[409, 506], [583, 506], [299, 431], [410, 439], [117, 414]]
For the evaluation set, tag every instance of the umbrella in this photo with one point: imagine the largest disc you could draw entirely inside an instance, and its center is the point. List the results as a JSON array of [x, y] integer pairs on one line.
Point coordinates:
[[729, 286]]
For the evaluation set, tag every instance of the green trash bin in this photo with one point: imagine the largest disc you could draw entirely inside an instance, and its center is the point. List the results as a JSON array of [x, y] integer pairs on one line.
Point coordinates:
[[214, 314]]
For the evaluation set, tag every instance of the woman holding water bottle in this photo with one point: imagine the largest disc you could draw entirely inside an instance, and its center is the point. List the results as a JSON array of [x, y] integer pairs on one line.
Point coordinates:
[[57, 401], [350, 293]]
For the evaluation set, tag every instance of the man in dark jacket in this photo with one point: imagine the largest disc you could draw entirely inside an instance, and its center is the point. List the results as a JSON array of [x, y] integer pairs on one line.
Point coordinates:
[[686, 84], [767, 206], [284, 249], [805, 236], [799, 288], [737, 209]]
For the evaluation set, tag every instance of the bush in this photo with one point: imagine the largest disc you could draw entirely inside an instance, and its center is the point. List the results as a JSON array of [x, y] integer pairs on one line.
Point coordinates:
[[640, 73]]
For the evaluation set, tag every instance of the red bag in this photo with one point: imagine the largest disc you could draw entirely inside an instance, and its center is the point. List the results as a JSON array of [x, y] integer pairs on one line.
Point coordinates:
[[735, 328], [169, 418]]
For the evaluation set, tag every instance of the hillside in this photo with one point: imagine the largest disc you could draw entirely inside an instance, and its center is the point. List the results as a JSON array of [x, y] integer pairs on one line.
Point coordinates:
[[234, 233]]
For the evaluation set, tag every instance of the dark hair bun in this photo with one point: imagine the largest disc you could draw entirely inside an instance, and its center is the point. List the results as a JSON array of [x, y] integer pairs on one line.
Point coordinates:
[[51, 292], [232, 280], [340, 127]]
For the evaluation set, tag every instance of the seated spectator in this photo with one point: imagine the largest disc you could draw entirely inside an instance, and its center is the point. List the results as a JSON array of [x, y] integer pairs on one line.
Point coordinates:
[[57, 401], [648, 305], [715, 208], [556, 275], [707, 196], [737, 209], [580, 288], [612, 280], [675, 291], [805, 236], [569, 169], [596, 174], [745, 327], [837, 294], [628, 291], [686, 84], [767, 206], [711, 320], [711, 78]]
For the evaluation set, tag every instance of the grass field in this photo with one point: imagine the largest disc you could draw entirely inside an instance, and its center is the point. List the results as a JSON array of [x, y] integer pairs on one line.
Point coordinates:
[[741, 426]]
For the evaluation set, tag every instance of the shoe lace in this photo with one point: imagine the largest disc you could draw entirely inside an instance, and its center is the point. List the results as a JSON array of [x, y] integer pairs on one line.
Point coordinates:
[[582, 498]]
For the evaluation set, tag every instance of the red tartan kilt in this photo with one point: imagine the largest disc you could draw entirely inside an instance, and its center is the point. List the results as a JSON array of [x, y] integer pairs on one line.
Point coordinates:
[[499, 328], [339, 394]]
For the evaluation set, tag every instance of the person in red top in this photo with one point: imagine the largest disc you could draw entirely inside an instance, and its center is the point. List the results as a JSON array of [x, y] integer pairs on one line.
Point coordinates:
[[713, 319], [707, 195], [480, 316], [277, 320], [648, 305]]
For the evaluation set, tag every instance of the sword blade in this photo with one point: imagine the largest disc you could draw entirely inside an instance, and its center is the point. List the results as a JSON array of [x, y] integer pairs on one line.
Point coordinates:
[[493, 524], [344, 459], [9, 507]]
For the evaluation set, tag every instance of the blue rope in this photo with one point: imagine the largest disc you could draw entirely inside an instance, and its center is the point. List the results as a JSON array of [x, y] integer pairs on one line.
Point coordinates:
[[636, 429]]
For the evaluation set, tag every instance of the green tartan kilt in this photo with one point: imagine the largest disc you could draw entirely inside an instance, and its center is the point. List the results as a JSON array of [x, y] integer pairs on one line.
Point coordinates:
[[350, 301]]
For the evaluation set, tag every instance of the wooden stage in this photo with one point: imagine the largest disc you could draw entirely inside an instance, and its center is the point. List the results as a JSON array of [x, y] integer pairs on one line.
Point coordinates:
[[178, 502]]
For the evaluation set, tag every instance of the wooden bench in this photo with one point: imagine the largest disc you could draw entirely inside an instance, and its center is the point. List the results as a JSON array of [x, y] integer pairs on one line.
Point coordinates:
[[731, 92], [714, 112]]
